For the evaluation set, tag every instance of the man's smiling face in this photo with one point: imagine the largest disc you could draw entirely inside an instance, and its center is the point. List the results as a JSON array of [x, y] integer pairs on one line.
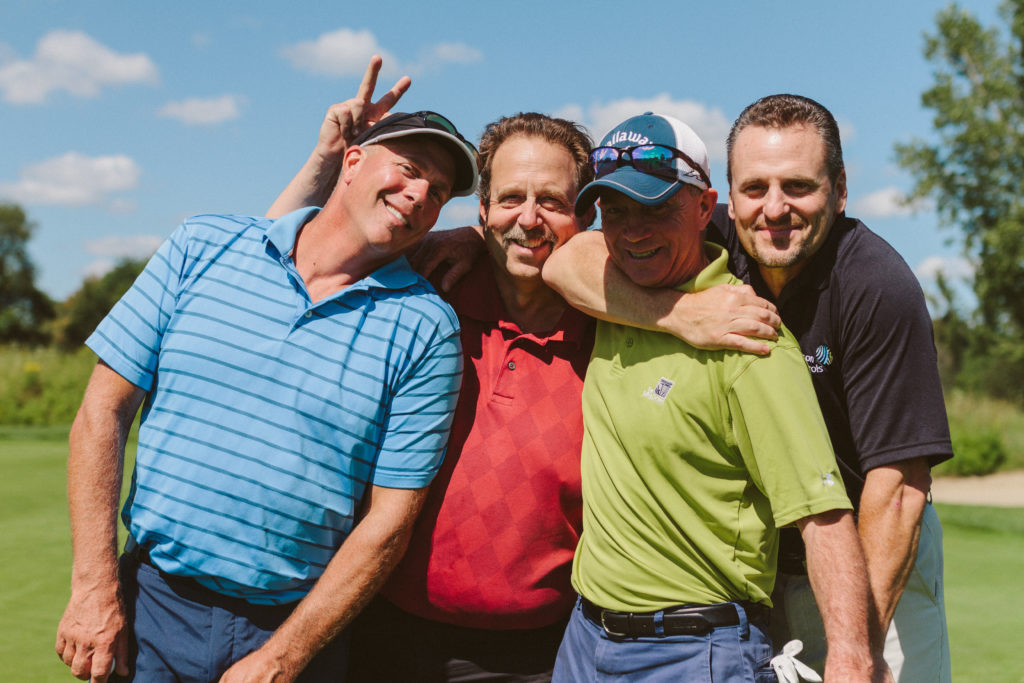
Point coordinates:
[[530, 209]]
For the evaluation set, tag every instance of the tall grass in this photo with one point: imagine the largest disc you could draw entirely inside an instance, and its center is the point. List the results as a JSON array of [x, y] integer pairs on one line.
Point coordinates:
[[976, 414], [42, 386]]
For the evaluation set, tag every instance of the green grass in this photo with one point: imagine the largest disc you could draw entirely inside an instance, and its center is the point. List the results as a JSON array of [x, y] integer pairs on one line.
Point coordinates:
[[984, 552], [984, 548], [35, 551]]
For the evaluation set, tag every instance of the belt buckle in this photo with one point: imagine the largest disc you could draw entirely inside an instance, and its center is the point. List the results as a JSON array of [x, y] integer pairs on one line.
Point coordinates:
[[607, 630]]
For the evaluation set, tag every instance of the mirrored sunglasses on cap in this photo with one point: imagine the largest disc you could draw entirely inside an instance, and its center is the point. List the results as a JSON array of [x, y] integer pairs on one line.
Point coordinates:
[[656, 160]]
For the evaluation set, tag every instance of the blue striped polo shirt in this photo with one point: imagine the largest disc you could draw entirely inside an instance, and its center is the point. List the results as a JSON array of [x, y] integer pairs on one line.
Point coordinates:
[[268, 415]]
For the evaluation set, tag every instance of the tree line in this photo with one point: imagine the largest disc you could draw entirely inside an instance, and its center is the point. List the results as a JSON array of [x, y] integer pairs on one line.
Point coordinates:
[[28, 317], [971, 167]]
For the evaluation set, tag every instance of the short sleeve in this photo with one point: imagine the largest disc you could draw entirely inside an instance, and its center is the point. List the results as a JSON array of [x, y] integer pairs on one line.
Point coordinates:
[[128, 338], [782, 437], [421, 412]]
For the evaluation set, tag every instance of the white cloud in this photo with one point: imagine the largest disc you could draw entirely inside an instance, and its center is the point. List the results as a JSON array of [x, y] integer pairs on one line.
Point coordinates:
[[97, 268], [346, 52], [73, 179], [570, 112], [441, 54], [456, 53], [460, 212], [113, 248], [198, 111], [885, 203], [952, 267], [708, 122], [73, 62], [124, 246], [339, 53], [847, 133], [882, 203]]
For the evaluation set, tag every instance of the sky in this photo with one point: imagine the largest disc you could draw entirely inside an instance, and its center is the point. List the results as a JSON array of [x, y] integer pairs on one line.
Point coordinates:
[[118, 120]]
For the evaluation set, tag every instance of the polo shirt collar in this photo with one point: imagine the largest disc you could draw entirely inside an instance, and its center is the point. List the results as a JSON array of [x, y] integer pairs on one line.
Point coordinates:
[[817, 274], [281, 234], [476, 297], [715, 273]]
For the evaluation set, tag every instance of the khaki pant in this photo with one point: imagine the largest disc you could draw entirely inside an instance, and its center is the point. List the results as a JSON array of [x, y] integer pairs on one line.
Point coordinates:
[[917, 644]]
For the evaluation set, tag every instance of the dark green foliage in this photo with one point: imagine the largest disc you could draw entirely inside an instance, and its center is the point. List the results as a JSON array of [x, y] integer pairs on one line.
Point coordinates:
[[973, 170], [24, 310], [84, 309], [976, 451]]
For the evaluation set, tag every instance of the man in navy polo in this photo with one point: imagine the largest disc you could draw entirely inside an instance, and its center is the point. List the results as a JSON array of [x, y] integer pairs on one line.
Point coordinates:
[[297, 381]]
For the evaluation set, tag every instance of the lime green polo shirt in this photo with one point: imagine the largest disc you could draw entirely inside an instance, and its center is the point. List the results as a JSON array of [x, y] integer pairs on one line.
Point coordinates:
[[691, 462]]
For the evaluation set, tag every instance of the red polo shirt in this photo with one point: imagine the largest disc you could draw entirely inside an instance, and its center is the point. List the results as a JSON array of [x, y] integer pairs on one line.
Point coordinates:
[[493, 546]]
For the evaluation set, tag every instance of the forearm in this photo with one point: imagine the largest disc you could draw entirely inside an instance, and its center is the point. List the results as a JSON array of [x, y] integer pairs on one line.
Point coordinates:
[[311, 186], [95, 471], [581, 271], [352, 578], [838, 575], [889, 524], [722, 317], [91, 635]]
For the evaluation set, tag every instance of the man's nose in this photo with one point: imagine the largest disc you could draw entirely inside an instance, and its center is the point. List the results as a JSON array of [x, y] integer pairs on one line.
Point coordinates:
[[529, 215], [776, 204]]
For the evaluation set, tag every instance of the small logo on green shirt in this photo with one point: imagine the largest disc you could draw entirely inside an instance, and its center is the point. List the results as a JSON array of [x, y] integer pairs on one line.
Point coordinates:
[[659, 392]]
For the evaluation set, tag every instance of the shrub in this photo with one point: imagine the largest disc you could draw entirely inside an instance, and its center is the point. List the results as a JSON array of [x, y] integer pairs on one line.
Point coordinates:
[[976, 451], [42, 386]]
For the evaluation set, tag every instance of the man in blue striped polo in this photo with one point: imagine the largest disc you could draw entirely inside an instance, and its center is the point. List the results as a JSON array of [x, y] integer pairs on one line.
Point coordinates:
[[297, 382]]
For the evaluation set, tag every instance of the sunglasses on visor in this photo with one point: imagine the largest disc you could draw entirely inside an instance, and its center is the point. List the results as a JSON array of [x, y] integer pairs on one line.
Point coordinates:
[[432, 119], [655, 160]]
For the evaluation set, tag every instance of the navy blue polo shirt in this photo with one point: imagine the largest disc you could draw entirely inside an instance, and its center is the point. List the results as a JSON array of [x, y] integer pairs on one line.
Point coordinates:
[[860, 317]]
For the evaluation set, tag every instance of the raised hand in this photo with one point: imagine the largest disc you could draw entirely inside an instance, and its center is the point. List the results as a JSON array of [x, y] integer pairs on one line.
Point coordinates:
[[346, 120]]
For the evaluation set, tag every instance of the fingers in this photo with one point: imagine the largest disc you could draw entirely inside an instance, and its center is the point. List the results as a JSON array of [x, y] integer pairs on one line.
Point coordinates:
[[392, 96], [365, 92], [745, 344], [455, 273]]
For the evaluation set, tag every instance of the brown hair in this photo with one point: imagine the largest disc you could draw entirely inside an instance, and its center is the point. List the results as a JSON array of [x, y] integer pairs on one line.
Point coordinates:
[[572, 136], [783, 111]]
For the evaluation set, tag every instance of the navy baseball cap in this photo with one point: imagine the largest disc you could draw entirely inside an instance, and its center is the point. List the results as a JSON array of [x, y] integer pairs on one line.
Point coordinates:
[[431, 123], [668, 154]]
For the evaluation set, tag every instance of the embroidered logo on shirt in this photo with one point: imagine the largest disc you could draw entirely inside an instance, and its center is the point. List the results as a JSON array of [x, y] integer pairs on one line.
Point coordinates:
[[659, 393], [828, 480], [821, 359]]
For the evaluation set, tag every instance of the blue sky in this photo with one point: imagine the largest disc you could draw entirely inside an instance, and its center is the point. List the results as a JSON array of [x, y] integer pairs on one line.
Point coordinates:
[[119, 119]]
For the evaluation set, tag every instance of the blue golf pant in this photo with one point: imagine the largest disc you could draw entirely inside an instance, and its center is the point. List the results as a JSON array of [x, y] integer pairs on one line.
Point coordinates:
[[184, 632], [729, 653]]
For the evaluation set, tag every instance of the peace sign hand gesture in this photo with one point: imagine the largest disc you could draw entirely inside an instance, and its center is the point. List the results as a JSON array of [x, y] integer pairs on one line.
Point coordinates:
[[344, 121]]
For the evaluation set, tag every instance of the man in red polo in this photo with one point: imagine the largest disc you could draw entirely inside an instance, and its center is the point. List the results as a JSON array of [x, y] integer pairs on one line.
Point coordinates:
[[484, 590]]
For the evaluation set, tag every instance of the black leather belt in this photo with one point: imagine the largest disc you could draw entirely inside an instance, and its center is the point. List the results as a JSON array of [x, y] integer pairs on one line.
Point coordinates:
[[692, 620]]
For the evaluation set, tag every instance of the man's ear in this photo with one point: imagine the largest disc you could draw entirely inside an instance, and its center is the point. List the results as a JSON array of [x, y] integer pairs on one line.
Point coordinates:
[[587, 219], [708, 200], [840, 190], [353, 157]]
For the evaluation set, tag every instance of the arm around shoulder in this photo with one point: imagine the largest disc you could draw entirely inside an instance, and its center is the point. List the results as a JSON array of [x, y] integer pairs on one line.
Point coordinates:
[[723, 317]]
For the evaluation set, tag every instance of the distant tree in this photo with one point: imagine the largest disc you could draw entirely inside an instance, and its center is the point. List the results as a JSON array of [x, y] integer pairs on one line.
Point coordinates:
[[974, 171], [24, 310], [84, 309]]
